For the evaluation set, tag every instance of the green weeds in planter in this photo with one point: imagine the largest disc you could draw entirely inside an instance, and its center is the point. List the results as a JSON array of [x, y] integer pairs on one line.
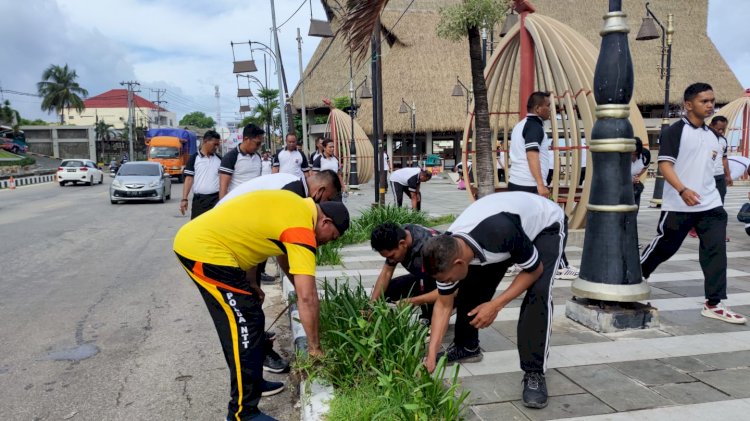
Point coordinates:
[[360, 229], [373, 358]]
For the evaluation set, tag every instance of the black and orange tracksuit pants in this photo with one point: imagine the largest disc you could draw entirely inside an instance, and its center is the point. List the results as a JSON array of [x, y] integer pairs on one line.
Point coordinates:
[[239, 320]]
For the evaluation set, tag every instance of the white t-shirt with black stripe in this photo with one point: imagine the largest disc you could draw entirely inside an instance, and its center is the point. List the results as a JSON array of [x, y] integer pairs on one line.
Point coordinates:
[[719, 163], [205, 172], [407, 177], [694, 152], [738, 166], [241, 167], [322, 163], [528, 135], [293, 162], [503, 226], [278, 181]]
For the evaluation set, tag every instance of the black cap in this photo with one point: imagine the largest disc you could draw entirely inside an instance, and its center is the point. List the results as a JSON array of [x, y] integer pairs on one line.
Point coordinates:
[[338, 213]]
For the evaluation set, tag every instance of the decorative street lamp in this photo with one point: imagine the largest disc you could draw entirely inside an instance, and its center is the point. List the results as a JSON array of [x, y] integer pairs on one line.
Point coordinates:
[[648, 32], [459, 89], [405, 108], [610, 283]]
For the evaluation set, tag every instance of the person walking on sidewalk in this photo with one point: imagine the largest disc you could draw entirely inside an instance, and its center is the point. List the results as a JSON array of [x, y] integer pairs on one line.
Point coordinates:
[[469, 262], [201, 177], [217, 250], [404, 244], [531, 162], [407, 181], [687, 157], [639, 160], [328, 161], [242, 163], [722, 175]]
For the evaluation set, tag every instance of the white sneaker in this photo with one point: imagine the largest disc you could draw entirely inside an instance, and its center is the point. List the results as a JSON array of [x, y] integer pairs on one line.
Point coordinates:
[[722, 312], [567, 274], [513, 270]]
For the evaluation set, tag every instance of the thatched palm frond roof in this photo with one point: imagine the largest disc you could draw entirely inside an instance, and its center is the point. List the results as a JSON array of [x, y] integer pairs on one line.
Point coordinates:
[[423, 68]]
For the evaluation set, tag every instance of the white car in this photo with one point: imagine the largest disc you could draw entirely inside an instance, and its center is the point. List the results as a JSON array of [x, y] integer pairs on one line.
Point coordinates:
[[79, 171]]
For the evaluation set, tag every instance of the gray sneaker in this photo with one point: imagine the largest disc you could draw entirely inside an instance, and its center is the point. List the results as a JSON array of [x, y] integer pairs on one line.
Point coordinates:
[[534, 390]]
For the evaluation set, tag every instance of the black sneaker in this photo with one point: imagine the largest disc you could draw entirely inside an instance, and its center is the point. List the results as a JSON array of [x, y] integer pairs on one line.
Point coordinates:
[[461, 354], [274, 363], [270, 335], [534, 390], [271, 388], [266, 278]]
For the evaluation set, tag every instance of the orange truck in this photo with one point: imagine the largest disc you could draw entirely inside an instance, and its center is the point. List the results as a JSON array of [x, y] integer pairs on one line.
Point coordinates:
[[171, 148]]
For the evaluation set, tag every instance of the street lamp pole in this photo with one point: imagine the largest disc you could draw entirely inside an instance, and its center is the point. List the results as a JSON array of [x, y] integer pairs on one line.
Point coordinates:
[[353, 177], [648, 32], [405, 107]]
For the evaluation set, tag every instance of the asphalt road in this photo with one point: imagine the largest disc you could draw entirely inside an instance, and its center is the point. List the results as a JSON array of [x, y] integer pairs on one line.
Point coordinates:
[[98, 320]]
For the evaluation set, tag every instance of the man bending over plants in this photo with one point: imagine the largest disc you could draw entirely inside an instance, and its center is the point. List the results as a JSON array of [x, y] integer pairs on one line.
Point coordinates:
[[404, 244], [493, 233], [217, 249]]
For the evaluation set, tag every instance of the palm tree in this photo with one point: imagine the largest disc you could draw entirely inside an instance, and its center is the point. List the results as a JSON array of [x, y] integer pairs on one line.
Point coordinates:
[[465, 19], [60, 91], [102, 130]]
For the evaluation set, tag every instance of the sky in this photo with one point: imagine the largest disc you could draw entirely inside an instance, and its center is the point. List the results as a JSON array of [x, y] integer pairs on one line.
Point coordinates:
[[183, 46]]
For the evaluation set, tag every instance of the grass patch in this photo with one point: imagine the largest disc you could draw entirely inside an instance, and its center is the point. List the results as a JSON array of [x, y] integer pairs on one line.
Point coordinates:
[[373, 359], [21, 159], [360, 229]]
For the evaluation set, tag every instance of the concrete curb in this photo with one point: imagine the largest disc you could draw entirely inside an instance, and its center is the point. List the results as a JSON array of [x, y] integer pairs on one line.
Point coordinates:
[[314, 396]]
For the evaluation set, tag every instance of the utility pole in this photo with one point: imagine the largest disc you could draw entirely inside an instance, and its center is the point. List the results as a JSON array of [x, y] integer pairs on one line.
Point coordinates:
[[305, 141], [279, 69], [218, 107], [131, 115], [158, 103]]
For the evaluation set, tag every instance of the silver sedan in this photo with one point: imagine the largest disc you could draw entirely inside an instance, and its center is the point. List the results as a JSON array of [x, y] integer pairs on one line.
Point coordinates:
[[141, 181]]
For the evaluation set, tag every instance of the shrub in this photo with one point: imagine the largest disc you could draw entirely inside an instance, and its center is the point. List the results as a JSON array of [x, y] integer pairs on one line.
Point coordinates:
[[373, 358]]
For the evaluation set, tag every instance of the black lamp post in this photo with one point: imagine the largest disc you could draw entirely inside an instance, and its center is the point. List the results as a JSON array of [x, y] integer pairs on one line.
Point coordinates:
[[459, 89], [648, 31], [610, 268], [405, 108]]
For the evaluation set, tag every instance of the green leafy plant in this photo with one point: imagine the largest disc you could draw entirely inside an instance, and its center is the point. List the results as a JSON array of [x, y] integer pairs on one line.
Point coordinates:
[[374, 361]]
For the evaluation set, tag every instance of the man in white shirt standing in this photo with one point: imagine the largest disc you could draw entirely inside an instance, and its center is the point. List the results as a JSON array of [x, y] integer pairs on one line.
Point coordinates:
[[242, 163], [202, 177], [291, 160], [687, 157]]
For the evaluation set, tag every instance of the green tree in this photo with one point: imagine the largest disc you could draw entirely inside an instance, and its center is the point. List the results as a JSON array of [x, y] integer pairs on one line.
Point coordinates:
[[467, 19], [102, 130], [35, 122], [266, 112], [198, 119], [60, 91], [8, 115]]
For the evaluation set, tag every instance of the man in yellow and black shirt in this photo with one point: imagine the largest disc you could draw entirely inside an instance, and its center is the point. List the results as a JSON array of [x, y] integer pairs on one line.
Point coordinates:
[[218, 248]]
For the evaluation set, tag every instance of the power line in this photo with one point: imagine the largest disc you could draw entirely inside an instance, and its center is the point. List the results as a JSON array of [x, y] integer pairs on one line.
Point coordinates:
[[295, 12]]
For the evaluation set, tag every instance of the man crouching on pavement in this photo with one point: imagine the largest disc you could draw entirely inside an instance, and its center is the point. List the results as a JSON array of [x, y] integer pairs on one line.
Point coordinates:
[[217, 249], [493, 233]]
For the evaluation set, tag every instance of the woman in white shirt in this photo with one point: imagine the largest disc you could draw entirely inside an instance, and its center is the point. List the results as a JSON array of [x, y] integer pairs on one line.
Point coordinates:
[[639, 160], [328, 161]]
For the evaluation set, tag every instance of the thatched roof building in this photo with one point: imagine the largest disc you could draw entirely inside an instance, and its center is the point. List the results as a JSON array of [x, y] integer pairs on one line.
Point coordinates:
[[422, 68]]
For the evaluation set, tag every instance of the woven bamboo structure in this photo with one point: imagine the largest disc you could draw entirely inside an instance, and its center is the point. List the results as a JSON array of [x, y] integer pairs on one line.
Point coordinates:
[[340, 130], [564, 65], [737, 114]]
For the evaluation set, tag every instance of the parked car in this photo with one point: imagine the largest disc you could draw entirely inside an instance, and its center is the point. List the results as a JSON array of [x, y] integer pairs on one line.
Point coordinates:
[[79, 171], [12, 146], [141, 181]]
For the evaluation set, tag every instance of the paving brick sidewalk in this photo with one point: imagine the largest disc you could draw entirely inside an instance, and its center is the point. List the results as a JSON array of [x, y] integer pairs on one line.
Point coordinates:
[[691, 366]]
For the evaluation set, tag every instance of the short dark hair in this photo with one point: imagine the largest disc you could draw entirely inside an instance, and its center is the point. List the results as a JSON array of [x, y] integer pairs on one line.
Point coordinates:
[[638, 146], [693, 90], [426, 173], [252, 131], [211, 135], [386, 236], [330, 176], [291, 134], [719, 119], [326, 142], [438, 253], [536, 99]]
